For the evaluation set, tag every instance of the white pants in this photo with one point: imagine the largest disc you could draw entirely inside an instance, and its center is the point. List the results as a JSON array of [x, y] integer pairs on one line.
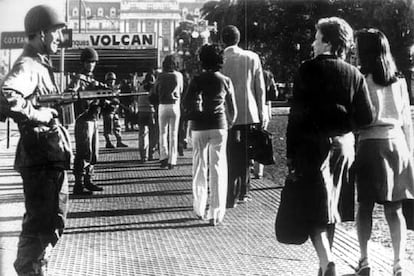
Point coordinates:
[[168, 119], [209, 158]]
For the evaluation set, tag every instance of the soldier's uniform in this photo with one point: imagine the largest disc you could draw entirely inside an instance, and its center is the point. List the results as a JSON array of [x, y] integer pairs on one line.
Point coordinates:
[[86, 128], [43, 152], [110, 115]]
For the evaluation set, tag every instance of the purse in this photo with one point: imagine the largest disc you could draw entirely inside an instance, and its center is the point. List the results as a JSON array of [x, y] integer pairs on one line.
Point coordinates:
[[261, 147], [291, 226]]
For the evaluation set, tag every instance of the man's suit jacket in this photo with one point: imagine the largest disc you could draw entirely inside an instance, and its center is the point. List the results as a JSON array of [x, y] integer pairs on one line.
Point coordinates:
[[245, 70]]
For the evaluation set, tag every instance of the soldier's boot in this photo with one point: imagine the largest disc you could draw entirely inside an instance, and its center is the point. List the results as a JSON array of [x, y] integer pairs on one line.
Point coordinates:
[[88, 183], [78, 188]]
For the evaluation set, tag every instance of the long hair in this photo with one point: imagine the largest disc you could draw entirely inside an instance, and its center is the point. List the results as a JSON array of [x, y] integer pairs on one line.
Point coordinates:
[[169, 64], [375, 56]]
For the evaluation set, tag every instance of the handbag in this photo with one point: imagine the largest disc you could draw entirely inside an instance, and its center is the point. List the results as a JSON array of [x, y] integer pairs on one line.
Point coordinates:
[[261, 147], [291, 226]]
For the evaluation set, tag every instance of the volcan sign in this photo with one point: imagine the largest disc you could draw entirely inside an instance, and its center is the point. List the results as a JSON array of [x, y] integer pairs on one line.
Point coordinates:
[[114, 40]]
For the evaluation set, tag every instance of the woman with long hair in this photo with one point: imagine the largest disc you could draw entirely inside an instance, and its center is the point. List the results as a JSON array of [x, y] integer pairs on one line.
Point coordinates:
[[384, 163], [168, 87]]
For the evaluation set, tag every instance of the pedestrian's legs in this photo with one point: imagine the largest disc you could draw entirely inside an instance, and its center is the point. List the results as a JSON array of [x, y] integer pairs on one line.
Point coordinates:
[[398, 230], [143, 137], [163, 116], [233, 177], [320, 241], [364, 227], [200, 184], [173, 134], [217, 174], [153, 138]]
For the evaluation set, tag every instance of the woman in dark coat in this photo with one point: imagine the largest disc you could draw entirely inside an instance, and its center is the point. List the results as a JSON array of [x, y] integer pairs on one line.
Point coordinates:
[[329, 102]]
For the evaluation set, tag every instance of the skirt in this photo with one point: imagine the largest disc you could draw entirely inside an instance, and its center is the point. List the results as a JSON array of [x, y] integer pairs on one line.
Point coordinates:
[[384, 170]]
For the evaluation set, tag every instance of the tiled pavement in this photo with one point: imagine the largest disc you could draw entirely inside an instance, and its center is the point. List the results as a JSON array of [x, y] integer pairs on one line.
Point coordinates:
[[142, 224]]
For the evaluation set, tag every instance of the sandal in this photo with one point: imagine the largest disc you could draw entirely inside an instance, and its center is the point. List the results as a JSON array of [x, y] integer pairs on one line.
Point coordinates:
[[363, 268]]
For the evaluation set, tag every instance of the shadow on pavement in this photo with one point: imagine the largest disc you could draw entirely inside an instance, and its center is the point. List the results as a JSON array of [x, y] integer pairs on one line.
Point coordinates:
[[127, 212]]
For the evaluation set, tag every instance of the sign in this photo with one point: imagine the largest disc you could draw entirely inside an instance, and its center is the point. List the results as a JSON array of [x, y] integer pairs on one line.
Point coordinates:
[[16, 40], [114, 40], [13, 40]]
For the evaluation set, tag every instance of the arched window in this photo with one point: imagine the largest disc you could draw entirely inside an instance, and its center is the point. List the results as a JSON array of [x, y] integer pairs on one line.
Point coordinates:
[[100, 12], [88, 12], [112, 12], [75, 12]]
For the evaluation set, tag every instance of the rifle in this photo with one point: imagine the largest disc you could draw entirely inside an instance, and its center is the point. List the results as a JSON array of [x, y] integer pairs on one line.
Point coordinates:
[[69, 97]]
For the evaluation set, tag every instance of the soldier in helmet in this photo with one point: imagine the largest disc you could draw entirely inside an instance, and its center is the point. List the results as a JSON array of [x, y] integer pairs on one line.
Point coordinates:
[[110, 115], [43, 152], [85, 80], [86, 126]]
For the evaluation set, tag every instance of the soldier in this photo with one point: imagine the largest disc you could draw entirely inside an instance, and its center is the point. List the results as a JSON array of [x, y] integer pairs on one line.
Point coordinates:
[[43, 152], [86, 126], [110, 114]]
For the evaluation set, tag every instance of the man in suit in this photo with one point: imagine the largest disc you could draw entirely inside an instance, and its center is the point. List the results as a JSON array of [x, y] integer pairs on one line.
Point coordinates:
[[245, 70]]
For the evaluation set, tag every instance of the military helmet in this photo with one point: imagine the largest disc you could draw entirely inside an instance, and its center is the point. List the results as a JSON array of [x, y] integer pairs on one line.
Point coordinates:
[[41, 18], [110, 76], [89, 54]]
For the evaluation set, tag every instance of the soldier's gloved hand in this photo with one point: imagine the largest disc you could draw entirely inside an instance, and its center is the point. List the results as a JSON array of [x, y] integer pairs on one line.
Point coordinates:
[[45, 115]]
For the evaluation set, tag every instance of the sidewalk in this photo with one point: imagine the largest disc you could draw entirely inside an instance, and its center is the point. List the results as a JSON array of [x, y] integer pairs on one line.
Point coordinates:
[[142, 224]]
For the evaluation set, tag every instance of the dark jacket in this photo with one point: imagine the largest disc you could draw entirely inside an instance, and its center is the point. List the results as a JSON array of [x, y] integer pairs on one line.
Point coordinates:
[[330, 97], [212, 88]]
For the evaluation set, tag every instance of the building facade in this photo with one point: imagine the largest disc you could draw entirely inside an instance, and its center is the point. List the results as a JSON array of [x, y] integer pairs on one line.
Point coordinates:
[[160, 17]]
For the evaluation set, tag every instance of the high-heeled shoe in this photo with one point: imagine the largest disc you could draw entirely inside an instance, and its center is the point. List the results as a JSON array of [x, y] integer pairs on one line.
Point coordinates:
[[363, 268]]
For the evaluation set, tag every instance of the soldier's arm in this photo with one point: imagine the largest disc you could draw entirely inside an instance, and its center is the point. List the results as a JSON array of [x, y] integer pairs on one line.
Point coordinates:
[[17, 92]]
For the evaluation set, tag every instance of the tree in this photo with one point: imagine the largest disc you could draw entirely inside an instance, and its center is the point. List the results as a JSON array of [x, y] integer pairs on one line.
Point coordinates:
[[282, 31]]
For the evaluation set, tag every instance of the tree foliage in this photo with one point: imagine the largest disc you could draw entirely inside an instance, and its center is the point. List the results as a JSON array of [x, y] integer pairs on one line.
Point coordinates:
[[282, 31]]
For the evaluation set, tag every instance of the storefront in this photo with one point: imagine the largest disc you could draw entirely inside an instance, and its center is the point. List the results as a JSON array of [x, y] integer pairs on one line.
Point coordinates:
[[122, 53]]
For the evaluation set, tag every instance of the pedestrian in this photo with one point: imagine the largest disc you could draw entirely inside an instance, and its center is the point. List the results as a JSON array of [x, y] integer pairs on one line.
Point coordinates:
[[245, 70], [110, 115], [147, 127], [183, 124], [209, 133], [330, 101], [168, 88], [384, 158], [271, 95], [43, 152], [86, 125]]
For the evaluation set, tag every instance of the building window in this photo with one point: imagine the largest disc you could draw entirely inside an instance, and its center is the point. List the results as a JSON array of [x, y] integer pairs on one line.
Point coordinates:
[[112, 12], [100, 12], [88, 12], [75, 26], [133, 26], [75, 12]]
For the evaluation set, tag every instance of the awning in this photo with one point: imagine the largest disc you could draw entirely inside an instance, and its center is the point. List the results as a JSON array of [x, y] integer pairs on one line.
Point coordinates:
[[120, 61]]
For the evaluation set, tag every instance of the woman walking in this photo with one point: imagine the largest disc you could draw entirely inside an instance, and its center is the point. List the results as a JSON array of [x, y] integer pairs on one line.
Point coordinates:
[[384, 163], [168, 87], [214, 94], [330, 101]]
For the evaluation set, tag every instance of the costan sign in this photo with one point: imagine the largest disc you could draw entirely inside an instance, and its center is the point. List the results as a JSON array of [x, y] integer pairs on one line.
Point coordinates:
[[114, 40]]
